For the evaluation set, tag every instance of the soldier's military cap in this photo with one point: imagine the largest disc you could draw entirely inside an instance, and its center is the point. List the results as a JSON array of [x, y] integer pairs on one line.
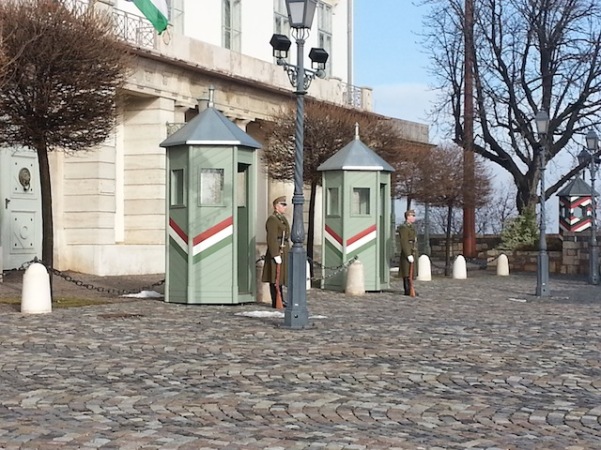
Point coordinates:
[[409, 212], [281, 199]]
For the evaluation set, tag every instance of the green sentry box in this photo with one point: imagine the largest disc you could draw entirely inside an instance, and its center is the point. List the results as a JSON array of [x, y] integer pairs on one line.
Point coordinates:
[[358, 216], [211, 212]]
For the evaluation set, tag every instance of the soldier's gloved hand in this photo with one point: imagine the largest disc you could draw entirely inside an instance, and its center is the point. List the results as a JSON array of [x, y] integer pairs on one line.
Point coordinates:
[[277, 259], [410, 258]]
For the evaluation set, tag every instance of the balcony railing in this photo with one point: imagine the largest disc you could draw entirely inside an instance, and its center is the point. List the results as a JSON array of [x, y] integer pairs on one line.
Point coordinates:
[[133, 29], [353, 95], [78, 6]]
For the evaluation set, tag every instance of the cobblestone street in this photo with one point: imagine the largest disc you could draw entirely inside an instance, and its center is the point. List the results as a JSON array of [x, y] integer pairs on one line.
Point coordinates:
[[478, 363]]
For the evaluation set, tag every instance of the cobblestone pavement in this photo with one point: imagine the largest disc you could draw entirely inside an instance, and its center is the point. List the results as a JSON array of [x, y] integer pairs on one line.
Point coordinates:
[[470, 364]]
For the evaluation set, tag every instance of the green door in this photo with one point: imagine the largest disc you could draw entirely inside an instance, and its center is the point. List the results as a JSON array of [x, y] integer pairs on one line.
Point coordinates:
[[243, 231], [382, 237]]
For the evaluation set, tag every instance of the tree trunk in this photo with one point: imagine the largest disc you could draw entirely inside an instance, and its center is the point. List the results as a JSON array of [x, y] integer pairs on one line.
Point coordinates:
[[311, 226], [526, 194], [447, 263], [47, 220], [469, 207]]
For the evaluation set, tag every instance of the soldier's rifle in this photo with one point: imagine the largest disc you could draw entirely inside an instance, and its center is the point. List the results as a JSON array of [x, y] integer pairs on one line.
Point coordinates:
[[279, 304]]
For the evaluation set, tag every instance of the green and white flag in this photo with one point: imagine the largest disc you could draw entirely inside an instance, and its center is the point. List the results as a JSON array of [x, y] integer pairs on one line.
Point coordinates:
[[155, 11]]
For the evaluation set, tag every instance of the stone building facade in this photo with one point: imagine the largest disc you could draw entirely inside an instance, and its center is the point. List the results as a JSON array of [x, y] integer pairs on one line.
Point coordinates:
[[109, 203]]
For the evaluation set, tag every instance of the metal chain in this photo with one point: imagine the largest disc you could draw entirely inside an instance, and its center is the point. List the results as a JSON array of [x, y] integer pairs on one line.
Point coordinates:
[[336, 269], [88, 286]]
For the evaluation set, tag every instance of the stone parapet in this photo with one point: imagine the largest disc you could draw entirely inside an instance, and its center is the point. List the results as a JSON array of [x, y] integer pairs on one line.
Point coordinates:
[[568, 252]]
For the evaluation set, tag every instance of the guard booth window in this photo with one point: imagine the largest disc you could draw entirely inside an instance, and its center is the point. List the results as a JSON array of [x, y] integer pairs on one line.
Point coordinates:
[[178, 188], [211, 187], [360, 202], [333, 208]]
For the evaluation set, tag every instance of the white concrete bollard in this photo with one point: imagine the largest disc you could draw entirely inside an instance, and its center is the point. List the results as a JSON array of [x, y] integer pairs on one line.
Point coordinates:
[[459, 268], [36, 298], [424, 269], [355, 280], [503, 265]]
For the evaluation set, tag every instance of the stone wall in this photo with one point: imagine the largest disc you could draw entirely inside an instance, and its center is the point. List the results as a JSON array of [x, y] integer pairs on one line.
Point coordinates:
[[575, 253], [571, 259], [568, 252], [525, 261], [438, 245]]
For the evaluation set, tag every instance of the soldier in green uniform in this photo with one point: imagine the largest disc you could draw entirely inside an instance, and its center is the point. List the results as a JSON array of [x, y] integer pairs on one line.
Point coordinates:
[[408, 241], [278, 237]]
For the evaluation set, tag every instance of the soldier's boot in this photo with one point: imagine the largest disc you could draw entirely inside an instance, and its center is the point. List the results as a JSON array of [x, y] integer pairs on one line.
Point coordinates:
[[406, 285], [273, 292]]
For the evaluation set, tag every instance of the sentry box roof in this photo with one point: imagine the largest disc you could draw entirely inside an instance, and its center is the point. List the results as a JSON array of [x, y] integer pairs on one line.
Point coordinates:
[[210, 127], [356, 156]]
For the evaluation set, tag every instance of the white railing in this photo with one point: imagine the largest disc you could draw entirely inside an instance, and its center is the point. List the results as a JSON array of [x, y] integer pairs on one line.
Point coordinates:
[[353, 95], [132, 28]]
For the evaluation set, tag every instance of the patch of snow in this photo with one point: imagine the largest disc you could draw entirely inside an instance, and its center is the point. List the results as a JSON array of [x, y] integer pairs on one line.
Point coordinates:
[[144, 294], [276, 314]]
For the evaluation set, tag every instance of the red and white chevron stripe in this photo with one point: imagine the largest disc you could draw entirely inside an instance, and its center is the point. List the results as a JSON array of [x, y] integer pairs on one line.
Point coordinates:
[[204, 240]]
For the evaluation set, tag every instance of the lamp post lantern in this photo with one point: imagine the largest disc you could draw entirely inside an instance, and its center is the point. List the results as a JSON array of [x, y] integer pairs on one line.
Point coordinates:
[[592, 145], [542, 273], [300, 15]]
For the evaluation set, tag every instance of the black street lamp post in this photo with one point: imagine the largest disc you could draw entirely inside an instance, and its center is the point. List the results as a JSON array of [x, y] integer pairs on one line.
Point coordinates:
[[300, 15], [589, 157], [542, 273]]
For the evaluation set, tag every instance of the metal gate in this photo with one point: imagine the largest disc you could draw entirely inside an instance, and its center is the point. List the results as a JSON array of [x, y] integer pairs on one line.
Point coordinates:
[[20, 210]]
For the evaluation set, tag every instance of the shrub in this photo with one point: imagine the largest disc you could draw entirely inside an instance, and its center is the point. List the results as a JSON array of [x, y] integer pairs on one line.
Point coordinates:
[[521, 232]]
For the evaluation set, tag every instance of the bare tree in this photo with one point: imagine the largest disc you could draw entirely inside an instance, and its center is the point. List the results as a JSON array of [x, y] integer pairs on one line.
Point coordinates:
[[408, 175], [61, 90], [491, 217], [529, 55], [442, 185], [328, 128], [439, 221], [3, 61]]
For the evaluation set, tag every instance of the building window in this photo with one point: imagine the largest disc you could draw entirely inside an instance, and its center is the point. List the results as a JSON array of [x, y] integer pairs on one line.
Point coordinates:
[[333, 202], [232, 24], [360, 203], [177, 188], [281, 25], [211, 187], [324, 30]]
